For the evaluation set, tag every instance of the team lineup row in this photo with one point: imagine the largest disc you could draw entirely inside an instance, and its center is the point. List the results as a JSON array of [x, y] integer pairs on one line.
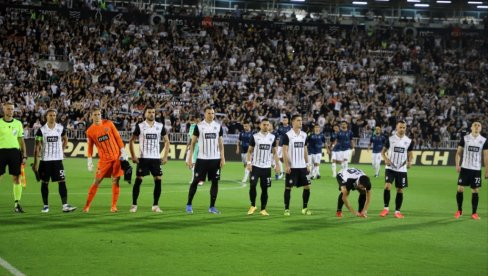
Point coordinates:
[[300, 154]]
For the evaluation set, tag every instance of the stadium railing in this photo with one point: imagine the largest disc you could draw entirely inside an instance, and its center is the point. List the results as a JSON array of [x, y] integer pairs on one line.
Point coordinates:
[[231, 139]]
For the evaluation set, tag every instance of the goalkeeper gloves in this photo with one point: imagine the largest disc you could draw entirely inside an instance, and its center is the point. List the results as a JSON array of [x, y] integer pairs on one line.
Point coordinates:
[[90, 164]]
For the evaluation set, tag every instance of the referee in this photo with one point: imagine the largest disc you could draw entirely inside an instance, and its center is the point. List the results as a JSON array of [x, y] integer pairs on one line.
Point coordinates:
[[12, 150]]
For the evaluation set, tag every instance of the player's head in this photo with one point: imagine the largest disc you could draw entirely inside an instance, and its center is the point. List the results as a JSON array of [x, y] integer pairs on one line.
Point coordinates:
[[247, 126], [265, 126], [96, 115], [209, 113], [8, 109], [401, 128], [296, 121], [336, 128], [316, 129], [377, 130], [150, 113], [285, 121], [51, 115], [364, 183], [476, 128], [343, 125]]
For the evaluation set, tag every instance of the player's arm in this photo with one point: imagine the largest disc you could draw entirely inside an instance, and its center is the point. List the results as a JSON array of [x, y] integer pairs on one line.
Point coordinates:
[[370, 143], [459, 154], [353, 143], [345, 199], [248, 156], [119, 142], [386, 146], [89, 152], [305, 155], [485, 158], [23, 148], [37, 149], [132, 140], [286, 159], [410, 155], [221, 147], [238, 144], [193, 142], [165, 149], [366, 204]]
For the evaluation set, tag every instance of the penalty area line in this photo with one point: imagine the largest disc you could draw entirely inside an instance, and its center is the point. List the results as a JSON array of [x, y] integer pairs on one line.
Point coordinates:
[[10, 268]]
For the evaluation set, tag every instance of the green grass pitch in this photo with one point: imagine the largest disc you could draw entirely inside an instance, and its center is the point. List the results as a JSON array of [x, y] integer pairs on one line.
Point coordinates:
[[428, 241]]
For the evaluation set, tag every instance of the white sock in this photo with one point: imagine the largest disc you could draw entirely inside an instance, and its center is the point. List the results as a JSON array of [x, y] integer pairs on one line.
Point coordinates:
[[378, 169], [315, 171], [334, 169], [281, 166]]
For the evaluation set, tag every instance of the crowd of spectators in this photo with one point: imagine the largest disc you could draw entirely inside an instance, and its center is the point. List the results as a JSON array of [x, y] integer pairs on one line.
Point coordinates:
[[438, 84]]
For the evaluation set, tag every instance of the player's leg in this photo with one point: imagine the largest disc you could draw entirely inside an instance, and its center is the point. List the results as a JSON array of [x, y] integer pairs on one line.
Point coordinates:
[[459, 198], [389, 178], [136, 189], [57, 175], [280, 163], [157, 173], [401, 182], [265, 181], [13, 159], [92, 191], [45, 174], [305, 182], [214, 177], [475, 187], [117, 172], [195, 155], [199, 175], [289, 182], [318, 159], [246, 171], [252, 190]]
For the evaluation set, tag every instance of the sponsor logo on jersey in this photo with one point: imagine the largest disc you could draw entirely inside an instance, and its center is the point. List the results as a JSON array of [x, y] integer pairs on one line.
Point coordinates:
[[473, 149], [52, 139], [399, 150], [298, 144], [103, 138], [210, 135], [151, 136], [264, 147]]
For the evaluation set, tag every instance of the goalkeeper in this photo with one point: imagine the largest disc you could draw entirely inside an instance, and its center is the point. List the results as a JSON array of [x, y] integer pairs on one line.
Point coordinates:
[[104, 135]]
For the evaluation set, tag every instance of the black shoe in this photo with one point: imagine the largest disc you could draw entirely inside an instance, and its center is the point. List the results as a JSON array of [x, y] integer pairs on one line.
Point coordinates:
[[318, 176], [18, 208]]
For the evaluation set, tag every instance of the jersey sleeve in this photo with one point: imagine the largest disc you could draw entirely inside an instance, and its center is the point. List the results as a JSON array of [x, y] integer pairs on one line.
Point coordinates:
[[387, 143], [39, 136], [163, 132], [137, 130], [118, 140], [63, 133], [240, 136], [252, 143], [221, 132], [196, 132], [461, 142], [275, 141], [21, 130], [285, 140], [485, 145], [410, 147], [307, 140], [89, 142]]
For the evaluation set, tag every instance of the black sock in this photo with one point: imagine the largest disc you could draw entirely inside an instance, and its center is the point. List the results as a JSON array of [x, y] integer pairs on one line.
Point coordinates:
[[459, 199], [252, 194], [287, 198], [474, 202], [157, 191], [214, 190], [361, 201], [264, 197], [63, 192], [192, 191], [340, 203], [305, 197], [44, 192], [398, 201], [386, 197], [135, 190]]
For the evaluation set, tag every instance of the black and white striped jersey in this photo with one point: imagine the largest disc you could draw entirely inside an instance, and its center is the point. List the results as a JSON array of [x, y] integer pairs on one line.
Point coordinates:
[[52, 142], [150, 139], [297, 144], [473, 148], [208, 140], [263, 144], [398, 149]]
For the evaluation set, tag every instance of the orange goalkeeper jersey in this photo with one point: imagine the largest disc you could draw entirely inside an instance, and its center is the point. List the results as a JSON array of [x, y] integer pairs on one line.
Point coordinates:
[[107, 139]]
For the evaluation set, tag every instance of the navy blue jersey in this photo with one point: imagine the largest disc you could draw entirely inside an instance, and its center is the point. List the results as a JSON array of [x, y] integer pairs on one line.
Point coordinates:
[[333, 137], [378, 142], [315, 143], [344, 138], [282, 130], [244, 140]]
